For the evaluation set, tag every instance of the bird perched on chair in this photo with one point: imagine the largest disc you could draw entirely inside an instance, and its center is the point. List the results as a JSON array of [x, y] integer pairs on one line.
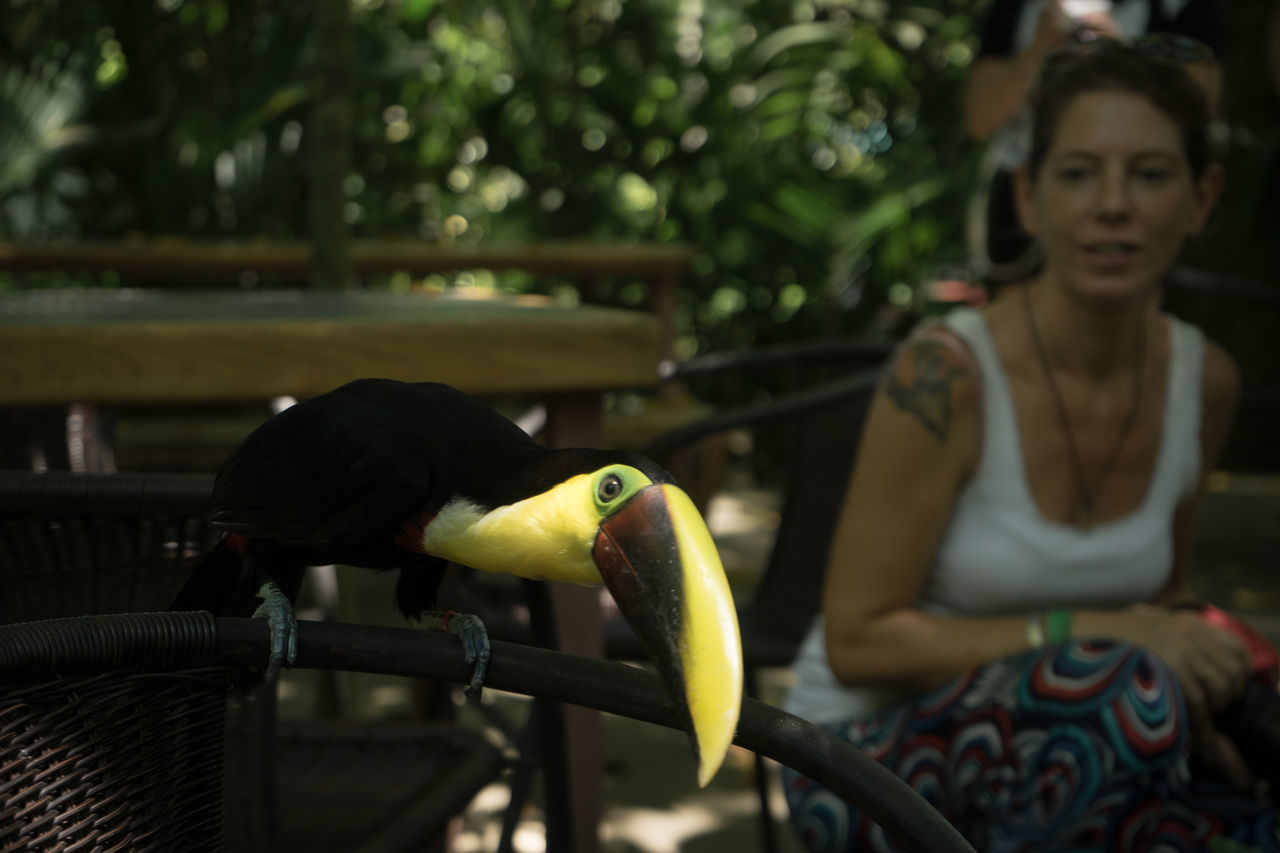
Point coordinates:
[[384, 474]]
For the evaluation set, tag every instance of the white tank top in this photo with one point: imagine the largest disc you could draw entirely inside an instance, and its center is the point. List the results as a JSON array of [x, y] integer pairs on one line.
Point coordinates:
[[1001, 555]]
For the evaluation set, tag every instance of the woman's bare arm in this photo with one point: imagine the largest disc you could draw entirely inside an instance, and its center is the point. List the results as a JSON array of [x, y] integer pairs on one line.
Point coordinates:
[[919, 447]]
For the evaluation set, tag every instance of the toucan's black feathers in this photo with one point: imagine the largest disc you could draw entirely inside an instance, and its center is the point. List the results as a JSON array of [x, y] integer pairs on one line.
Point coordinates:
[[335, 479], [337, 469]]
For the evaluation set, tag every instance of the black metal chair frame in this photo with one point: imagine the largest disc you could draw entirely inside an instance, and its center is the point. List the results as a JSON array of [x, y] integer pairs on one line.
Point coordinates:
[[81, 649]]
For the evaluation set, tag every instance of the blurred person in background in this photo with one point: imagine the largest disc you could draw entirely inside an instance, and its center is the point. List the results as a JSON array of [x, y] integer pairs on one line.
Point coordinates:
[[1008, 623]]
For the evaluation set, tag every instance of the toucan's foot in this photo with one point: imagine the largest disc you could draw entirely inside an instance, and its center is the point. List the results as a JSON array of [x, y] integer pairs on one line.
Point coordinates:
[[278, 611], [471, 631]]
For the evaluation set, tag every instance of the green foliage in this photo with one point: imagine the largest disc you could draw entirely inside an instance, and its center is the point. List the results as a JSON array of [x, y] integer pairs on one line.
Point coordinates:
[[813, 151], [172, 118]]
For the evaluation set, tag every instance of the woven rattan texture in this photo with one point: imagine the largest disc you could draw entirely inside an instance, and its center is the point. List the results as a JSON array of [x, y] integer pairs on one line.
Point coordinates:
[[81, 566], [113, 762], [78, 545]]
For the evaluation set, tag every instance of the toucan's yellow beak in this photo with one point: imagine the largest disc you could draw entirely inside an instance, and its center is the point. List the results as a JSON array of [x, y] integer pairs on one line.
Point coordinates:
[[656, 556]]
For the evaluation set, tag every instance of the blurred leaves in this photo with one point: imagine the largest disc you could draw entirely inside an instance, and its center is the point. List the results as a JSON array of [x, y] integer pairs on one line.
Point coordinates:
[[812, 150], [35, 110]]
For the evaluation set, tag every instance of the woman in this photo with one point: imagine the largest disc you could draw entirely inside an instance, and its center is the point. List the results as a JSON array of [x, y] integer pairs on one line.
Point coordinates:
[[1016, 35], [1000, 633]]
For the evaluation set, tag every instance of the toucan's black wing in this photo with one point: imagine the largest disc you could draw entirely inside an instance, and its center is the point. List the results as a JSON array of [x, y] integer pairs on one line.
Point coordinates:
[[278, 487], [347, 469]]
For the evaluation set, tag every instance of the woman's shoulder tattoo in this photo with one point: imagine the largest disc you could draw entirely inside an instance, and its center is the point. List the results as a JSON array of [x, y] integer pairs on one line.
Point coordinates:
[[921, 383]]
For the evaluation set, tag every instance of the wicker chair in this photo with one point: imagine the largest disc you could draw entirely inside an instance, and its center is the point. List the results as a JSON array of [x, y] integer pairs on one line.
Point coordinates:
[[77, 545], [110, 735], [116, 742]]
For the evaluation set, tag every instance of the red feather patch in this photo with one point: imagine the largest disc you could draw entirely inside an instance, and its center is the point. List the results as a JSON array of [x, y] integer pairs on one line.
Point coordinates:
[[412, 532]]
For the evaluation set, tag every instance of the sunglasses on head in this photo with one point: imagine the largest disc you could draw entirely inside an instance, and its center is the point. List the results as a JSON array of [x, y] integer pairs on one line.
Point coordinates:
[[1170, 48]]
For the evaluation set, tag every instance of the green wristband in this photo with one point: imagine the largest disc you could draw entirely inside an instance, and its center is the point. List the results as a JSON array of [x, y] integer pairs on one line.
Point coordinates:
[[1057, 625]]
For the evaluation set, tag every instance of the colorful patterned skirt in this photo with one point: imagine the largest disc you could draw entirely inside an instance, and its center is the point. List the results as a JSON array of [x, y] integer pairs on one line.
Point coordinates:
[[1077, 747]]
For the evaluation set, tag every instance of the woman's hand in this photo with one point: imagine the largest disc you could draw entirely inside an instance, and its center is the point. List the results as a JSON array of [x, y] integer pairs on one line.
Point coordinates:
[[1095, 24], [1212, 666], [1211, 663], [1054, 29]]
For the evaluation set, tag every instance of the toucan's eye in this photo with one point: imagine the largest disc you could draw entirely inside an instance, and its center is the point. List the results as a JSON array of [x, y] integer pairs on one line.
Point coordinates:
[[610, 488]]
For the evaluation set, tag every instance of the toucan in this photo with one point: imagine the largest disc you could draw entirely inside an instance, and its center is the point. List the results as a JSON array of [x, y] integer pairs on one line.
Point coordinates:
[[385, 474]]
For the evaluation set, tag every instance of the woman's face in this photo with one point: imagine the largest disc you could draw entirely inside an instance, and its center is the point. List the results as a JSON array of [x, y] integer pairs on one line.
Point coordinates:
[[1115, 198]]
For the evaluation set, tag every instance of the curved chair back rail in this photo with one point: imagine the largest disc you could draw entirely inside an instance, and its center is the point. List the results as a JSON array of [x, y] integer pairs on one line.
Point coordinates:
[[83, 645], [789, 354], [124, 495], [790, 404], [36, 651]]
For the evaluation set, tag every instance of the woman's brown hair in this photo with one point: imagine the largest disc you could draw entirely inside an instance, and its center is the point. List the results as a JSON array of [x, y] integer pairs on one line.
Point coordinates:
[[1153, 67]]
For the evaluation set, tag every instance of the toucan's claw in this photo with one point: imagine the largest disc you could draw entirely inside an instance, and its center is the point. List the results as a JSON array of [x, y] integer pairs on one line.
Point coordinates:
[[278, 612], [470, 630]]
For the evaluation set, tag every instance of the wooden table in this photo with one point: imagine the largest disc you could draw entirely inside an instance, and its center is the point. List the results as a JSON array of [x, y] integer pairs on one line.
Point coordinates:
[[176, 259], [159, 347]]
